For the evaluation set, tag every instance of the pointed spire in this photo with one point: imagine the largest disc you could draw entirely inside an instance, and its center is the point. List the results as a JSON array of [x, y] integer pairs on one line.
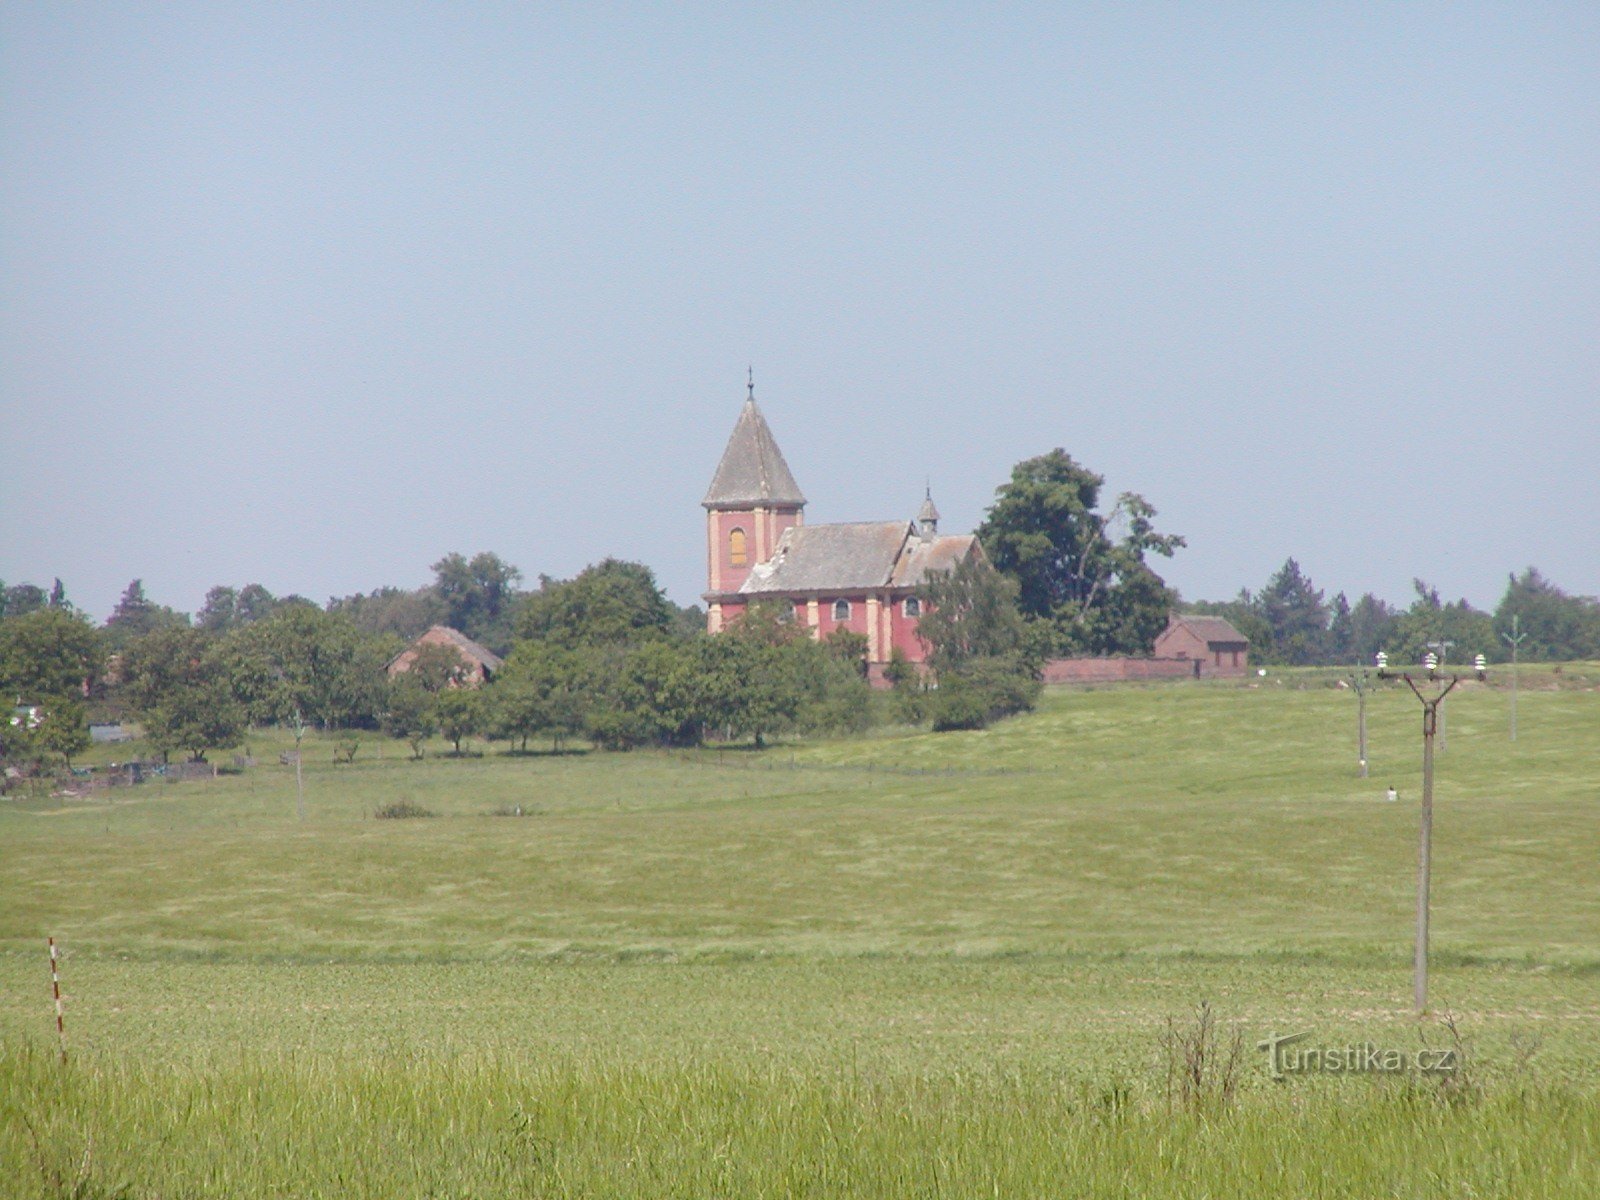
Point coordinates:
[[752, 470], [928, 515]]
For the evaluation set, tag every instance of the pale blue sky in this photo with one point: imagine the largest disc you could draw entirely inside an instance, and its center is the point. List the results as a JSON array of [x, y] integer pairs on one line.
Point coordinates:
[[310, 295]]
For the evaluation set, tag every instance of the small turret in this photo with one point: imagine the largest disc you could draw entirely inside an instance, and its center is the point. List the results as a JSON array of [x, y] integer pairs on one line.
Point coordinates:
[[928, 517]]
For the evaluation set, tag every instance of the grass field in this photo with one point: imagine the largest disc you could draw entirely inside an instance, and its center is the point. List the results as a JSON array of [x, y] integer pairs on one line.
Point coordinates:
[[903, 964]]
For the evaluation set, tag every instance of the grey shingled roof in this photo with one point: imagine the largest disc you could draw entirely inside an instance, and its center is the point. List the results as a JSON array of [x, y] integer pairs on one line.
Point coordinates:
[[752, 469], [934, 554], [853, 557], [1212, 629]]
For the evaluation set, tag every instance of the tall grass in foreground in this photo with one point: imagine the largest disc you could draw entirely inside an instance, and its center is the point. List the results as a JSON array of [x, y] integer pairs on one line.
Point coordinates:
[[490, 1125]]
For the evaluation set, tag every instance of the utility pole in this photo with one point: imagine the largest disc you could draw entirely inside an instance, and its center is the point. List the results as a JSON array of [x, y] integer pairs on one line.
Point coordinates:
[[1443, 648], [1361, 681], [298, 726], [1514, 639], [1432, 707]]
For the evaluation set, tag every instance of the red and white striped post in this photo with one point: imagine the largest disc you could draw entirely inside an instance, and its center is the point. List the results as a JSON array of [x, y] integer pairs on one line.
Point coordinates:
[[55, 982]]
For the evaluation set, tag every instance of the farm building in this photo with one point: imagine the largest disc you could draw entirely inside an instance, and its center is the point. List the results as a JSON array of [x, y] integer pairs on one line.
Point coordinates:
[[1212, 641], [481, 663], [860, 576]]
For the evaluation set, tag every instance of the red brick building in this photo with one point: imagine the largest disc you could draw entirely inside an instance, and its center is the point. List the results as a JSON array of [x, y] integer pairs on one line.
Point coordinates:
[[861, 576], [1212, 641]]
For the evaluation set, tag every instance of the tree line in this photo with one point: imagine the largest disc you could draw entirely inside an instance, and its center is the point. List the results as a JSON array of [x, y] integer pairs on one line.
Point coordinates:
[[1290, 623], [605, 657]]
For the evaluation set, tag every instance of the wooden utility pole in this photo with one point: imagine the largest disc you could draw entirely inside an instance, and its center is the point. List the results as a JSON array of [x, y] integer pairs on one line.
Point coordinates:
[[1431, 708], [1361, 681], [1443, 647], [298, 724], [1514, 639]]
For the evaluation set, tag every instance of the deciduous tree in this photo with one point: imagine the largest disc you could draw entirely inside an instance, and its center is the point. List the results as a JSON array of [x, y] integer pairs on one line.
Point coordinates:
[[410, 713], [48, 654], [1082, 571], [304, 659], [460, 714], [1559, 627], [610, 604], [479, 595], [970, 612]]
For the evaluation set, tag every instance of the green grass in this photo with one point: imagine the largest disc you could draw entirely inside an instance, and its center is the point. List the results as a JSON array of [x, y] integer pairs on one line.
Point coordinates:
[[899, 964]]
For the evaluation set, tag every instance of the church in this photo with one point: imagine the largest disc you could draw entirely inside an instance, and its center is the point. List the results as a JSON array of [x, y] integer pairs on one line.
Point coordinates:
[[862, 576]]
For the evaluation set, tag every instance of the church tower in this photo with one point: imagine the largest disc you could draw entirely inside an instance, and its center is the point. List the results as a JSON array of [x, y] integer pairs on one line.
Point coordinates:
[[752, 499]]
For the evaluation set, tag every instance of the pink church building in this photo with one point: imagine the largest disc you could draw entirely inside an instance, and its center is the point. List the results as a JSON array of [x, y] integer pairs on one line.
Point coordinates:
[[862, 576]]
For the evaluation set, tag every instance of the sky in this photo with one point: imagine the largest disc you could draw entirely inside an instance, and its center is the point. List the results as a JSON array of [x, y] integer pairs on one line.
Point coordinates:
[[312, 295]]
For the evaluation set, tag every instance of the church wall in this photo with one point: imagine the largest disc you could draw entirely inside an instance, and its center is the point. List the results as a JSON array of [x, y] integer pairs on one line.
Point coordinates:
[[904, 633], [762, 528]]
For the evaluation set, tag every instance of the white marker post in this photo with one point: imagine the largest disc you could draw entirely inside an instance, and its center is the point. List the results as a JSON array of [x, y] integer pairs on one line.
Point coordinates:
[[55, 982]]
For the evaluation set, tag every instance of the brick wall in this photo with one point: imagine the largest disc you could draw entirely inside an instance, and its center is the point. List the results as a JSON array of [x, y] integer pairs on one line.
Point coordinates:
[[1112, 670]]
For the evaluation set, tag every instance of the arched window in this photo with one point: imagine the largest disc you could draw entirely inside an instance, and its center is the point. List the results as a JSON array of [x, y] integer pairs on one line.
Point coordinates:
[[913, 607], [841, 610], [736, 552]]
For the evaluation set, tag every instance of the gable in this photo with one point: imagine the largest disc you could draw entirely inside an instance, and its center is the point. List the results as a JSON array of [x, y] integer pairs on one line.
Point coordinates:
[[1213, 631]]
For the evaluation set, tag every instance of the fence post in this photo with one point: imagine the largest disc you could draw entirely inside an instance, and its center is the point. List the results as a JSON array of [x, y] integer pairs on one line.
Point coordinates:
[[55, 983]]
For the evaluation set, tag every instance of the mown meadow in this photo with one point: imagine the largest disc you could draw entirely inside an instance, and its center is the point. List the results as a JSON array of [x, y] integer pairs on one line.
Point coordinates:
[[902, 964]]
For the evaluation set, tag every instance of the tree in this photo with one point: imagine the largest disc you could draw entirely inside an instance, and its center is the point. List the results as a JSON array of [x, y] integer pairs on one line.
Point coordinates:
[[137, 615], [255, 603], [478, 596], [48, 654], [438, 667], [56, 728], [410, 713], [200, 716], [1372, 624], [393, 611], [460, 715], [762, 670], [611, 604], [180, 691], [969, 612], [985, 657], [163, 662], [1295, 614], [20, 599], [541, 688], [64, 731], [1340, 644], [648, 694], [1559, 627], [1072, 563], [304, 659], [1430, 620], [217, 614]]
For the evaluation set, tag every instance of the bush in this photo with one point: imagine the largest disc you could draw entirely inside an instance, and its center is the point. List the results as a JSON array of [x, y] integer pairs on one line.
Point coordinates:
[[982, 690], [958, 705], [401, 810]]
